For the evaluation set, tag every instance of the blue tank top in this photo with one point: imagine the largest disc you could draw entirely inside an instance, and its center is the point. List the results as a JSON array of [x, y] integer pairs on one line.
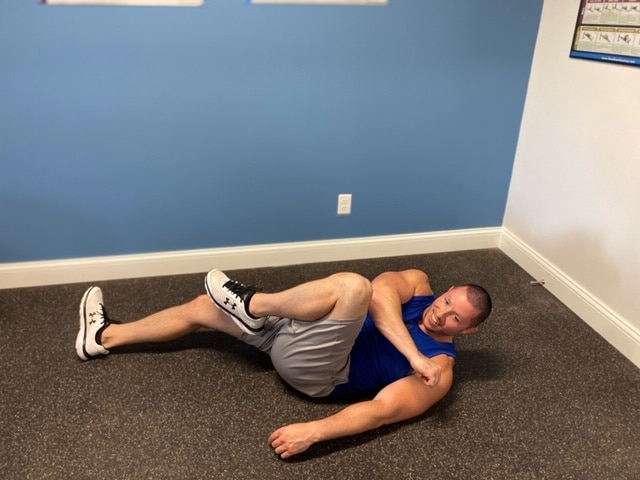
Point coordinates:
[[375, 362]]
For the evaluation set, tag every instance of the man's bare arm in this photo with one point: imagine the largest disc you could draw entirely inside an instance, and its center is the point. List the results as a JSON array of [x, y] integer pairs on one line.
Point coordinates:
[[390, 291], [405, 398]]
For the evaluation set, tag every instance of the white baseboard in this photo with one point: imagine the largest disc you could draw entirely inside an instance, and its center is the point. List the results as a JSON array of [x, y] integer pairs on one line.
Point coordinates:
[[30, 274], [615, 329]]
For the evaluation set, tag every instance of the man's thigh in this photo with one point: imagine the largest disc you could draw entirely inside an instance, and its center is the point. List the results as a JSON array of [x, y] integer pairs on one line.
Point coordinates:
[[313, 357]]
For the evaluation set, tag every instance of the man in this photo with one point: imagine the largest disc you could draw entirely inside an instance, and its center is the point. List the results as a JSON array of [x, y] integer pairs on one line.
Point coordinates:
[[341, 336]]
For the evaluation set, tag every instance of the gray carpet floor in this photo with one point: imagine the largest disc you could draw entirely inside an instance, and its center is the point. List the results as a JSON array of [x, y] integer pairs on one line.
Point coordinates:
[[538, 394]]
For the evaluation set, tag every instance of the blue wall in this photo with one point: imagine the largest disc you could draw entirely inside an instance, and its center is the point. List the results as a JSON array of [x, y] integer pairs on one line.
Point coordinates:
[[127, 130]]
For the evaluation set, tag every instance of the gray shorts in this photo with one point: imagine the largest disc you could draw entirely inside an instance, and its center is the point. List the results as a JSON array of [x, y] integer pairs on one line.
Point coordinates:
[[312, 357]]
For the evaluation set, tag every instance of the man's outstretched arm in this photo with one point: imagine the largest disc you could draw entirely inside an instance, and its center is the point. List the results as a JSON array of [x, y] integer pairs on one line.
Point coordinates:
[[405, 398]]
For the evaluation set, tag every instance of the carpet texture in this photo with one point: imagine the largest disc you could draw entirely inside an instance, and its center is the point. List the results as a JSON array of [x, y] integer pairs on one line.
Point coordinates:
[[538, 394]]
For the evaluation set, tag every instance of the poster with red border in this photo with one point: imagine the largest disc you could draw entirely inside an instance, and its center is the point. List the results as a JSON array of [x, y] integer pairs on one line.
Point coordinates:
[[609, 31]]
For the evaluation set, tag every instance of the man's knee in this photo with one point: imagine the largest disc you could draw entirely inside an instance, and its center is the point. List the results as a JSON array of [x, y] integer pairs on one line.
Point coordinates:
[[200, 310], [354, 290]]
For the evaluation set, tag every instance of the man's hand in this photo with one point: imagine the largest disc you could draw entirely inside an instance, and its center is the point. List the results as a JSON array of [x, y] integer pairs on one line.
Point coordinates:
[[428, 370], [292, 439]]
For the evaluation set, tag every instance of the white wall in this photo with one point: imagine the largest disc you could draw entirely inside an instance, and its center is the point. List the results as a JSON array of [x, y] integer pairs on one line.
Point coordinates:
[[574, 198]]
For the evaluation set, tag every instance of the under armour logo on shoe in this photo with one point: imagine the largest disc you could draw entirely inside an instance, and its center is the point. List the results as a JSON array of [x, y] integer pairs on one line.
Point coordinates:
[[91, 319], [227, 302]]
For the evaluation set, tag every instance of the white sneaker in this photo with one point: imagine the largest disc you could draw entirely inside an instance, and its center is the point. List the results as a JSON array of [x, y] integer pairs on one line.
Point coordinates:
[[233, 298], [93, 320]]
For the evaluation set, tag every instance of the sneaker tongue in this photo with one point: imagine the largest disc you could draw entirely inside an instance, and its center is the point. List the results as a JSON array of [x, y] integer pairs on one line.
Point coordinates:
[[240, 290]]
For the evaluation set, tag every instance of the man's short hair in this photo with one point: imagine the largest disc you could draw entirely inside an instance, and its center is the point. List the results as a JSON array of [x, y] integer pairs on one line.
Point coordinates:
[[480, 299]]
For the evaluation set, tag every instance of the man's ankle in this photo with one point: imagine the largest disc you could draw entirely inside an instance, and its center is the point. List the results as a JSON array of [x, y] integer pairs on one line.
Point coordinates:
[[105, 338], [253, 307]]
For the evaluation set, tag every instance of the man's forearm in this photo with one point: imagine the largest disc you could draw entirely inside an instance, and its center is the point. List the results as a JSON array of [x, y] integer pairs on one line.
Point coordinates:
[[356, 418], [386, 314], [298, 437], [390, 291], [396, 332]]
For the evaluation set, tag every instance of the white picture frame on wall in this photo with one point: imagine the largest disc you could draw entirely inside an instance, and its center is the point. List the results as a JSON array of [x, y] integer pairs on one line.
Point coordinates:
[[128, 3], [321, 2]]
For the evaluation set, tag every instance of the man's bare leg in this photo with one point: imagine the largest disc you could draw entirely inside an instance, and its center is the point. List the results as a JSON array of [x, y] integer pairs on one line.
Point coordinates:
[[97, 334], [342, 296], [339, 296], [170, 324]]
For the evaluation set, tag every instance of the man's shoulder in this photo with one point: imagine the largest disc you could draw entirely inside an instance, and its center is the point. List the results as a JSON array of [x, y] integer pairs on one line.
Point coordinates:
[[445, 361], [420, 281]]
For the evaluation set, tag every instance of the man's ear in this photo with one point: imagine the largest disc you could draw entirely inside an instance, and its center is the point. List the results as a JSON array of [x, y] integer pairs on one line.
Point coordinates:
[[470, 330]]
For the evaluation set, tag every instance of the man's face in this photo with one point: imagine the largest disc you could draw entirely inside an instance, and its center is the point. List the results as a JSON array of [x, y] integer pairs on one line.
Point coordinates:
[[450, 314]]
